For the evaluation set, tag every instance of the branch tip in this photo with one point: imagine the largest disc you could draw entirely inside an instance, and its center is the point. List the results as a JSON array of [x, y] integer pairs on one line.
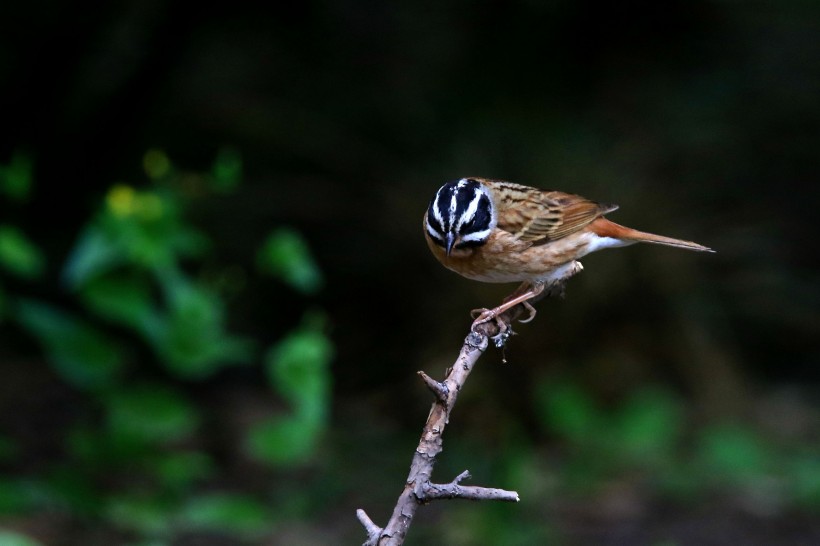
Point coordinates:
[[439, 389], [436, 491], [373, 530]]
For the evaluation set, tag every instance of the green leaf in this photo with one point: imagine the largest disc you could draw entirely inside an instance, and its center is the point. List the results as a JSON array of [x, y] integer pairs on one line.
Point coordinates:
[[146, 242], [150, 414], [194, 342], [106, 451], [16, 178], [188, 242], [181, 470], [123, 299], [68, 490], [283, 441], [93, 254], [227, 170], [649, 425], [79, 353], [567, 410], [16, 496], [146, 515], [804, 473], [285, 255], [226, 513], [140, 229], [735, 454], [299, 369], [10, 538], [18, 255]]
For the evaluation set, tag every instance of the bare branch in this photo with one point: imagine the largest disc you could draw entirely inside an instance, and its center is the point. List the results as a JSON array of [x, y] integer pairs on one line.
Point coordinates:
[[461, 477], [418, 488], [435, 491], [454, 490]]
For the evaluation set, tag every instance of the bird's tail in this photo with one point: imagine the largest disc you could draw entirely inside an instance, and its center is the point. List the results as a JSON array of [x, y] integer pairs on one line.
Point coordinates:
[[606, 228]]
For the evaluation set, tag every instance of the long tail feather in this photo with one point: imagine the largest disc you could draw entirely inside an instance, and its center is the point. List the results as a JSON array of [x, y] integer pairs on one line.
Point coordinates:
[[607, 228]]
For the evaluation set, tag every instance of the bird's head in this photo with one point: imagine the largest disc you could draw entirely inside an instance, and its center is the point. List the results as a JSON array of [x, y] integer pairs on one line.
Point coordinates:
[[461, 215]]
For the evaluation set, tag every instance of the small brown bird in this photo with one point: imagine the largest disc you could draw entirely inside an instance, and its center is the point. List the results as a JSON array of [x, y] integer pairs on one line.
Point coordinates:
[[496, 231]]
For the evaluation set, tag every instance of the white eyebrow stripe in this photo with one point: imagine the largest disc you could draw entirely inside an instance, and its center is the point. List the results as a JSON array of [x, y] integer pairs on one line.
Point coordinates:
[[476, 236], [437, 212], [437, 215], [434, 234]]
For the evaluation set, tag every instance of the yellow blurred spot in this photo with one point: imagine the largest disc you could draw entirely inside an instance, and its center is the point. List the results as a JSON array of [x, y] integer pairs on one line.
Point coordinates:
[[121, 199], [156, 163], [124, 201]]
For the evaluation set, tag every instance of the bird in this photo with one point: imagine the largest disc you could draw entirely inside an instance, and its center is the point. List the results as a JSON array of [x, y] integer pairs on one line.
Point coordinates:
[[495, 231]]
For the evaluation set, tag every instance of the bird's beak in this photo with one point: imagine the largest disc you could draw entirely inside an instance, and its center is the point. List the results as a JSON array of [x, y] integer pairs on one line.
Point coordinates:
[[451, 240]]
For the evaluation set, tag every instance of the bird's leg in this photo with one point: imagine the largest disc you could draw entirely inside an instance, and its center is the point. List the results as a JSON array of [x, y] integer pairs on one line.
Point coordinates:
[[525, 292], [522, 294], [522, 289]]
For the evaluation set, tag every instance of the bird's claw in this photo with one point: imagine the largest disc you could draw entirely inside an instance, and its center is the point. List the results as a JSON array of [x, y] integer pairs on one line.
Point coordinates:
[[487, 315], [476, 313]]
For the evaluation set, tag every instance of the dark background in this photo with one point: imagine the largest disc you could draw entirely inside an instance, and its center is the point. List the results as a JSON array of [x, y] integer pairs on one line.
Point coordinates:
[[700, 119]]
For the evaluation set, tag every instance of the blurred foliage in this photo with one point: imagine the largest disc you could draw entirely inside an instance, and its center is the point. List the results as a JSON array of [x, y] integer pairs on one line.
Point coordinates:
[[298, 369], [136, 461], [80, 353], [8, 538], [285, 255], [670, 399], [16, 177], [18, 255], [649, 434]]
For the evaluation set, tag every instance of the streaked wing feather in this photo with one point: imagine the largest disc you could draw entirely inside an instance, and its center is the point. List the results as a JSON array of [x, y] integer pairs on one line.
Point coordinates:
[[577, 213], [539, 216]]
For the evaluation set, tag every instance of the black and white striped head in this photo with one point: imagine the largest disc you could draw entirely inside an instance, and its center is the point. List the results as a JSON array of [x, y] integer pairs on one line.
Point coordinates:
[[461, 215]]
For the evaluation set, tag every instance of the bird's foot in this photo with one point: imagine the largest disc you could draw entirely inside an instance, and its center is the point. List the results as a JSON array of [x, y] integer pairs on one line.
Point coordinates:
[[483, 315], [486, 315]]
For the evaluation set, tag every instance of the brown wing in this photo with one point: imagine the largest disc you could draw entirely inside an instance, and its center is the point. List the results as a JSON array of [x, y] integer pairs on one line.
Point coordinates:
[[540, 216]]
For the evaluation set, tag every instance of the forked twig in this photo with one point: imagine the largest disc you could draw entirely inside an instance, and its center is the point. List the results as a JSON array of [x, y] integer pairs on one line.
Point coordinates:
[[418, 488]]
